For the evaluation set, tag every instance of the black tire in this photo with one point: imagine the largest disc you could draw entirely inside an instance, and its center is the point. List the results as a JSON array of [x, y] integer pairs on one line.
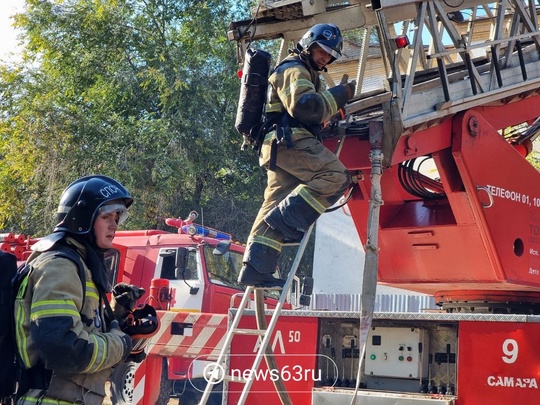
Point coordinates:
[[165, 385], [122, 380], [122, 384]]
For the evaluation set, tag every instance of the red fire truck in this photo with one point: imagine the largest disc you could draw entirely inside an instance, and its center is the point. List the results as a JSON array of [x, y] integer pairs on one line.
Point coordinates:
[[444, 200]]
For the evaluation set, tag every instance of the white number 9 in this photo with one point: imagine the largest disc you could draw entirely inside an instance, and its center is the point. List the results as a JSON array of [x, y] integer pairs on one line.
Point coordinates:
[[510, 350]]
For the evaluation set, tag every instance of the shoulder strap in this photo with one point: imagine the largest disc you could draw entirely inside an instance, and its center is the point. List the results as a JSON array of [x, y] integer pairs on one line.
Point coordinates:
[[61, 250], [71, 254], [287, 62]]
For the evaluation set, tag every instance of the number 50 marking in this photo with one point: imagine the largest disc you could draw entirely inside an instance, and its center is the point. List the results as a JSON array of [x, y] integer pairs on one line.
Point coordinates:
[[510, 350], [294, 336]]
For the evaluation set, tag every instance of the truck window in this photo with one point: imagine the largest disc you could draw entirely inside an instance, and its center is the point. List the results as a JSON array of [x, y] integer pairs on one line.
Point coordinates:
[[191, 272], [223, 269], [184, 258]]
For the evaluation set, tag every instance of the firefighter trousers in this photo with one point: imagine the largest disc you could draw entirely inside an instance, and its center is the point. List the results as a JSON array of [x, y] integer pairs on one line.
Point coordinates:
[[308, 178]]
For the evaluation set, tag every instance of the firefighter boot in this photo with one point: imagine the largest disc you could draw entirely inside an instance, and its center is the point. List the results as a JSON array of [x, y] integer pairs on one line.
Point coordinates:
[[275, 220], [250, 276], [293, 216]]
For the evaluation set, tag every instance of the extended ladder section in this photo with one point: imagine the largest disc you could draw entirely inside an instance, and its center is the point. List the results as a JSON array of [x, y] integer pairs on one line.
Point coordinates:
[[462, 55], [217, 372], [456, 54]]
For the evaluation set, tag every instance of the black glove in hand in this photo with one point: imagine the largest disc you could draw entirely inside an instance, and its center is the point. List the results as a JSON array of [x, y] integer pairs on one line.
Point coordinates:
[[349, 86], [124, 298], [136, 357]]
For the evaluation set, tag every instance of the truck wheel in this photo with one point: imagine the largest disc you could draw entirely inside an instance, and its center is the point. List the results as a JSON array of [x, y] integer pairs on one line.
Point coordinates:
[[165, 385], [122, 380], [122, 384]]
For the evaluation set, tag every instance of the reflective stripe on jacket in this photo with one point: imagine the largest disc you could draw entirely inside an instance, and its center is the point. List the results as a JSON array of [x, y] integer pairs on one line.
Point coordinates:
[[49, 328]]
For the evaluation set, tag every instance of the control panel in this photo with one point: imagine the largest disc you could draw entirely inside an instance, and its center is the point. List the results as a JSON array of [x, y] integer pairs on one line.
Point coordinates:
[[397, 352]]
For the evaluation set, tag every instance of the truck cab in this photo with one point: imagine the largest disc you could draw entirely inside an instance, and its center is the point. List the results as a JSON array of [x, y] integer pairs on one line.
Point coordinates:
[[190, 278], [201, 272]]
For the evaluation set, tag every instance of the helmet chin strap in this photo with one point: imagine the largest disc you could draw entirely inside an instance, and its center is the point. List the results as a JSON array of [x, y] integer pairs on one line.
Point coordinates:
[[309, 59]]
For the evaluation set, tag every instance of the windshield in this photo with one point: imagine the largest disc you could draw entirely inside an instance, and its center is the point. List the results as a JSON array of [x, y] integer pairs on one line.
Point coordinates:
[[223, 269]]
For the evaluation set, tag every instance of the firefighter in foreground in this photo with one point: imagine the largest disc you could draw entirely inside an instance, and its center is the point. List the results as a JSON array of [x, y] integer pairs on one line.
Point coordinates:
[[304, 177], [64, 340]]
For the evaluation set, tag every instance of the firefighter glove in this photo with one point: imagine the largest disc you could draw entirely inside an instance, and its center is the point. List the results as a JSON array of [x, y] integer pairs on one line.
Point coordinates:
[[136, 357], [124, 298], [126, 340], [351, 88], [140, 324]]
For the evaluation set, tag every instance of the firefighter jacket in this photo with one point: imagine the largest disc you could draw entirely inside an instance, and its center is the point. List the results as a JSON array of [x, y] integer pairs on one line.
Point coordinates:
[[296, 91], [49, 309], [303, 177]]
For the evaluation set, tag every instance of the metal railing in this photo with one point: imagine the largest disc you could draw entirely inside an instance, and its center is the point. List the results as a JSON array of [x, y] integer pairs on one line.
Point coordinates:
[[383, 302]]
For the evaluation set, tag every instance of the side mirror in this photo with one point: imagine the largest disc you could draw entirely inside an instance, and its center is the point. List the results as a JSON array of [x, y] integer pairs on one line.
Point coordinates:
[[222, 248], [182, 255]]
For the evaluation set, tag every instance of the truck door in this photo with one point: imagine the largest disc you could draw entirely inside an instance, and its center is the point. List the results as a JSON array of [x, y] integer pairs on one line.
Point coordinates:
[[182, 267]]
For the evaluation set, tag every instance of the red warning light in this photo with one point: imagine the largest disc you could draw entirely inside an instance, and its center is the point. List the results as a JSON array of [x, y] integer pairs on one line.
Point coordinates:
[[240, 73], [402, 41]]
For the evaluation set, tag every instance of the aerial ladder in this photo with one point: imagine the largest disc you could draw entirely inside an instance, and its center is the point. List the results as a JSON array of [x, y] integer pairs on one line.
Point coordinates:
[[454, 74]]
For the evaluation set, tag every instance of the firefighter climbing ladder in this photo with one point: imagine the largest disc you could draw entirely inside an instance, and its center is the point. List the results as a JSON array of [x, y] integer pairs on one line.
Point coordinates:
[[216, 373], [462, 54]]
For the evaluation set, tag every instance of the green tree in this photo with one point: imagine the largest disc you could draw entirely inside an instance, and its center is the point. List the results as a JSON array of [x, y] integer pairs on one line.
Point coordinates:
[[144, 91]]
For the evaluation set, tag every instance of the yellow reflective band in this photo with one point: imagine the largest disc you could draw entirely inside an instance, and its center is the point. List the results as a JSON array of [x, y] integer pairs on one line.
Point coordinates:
[[331, 101], [44, 400], [22, 288], [91, 290], [19, 333], [50, 308], [263, 240], [298, 84], [99, 354], [303, 192], [276, 107]]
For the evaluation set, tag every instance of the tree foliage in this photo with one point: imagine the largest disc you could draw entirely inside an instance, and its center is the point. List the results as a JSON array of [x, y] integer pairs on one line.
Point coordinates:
[[144, 91]]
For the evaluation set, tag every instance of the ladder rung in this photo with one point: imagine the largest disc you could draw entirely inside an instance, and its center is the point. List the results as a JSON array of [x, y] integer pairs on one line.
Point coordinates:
[[291, 243], [268, 288], [260, 332], [236, 379]]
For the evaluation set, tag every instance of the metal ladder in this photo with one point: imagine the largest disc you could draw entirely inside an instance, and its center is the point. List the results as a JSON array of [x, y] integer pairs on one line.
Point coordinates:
[[216, 373]]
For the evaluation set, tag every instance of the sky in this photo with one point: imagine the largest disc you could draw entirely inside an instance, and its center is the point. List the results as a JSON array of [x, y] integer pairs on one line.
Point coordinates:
[[8, 35]]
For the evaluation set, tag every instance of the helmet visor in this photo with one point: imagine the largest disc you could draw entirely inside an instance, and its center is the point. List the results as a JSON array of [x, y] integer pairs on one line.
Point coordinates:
[[329, 50], [117, 208]]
